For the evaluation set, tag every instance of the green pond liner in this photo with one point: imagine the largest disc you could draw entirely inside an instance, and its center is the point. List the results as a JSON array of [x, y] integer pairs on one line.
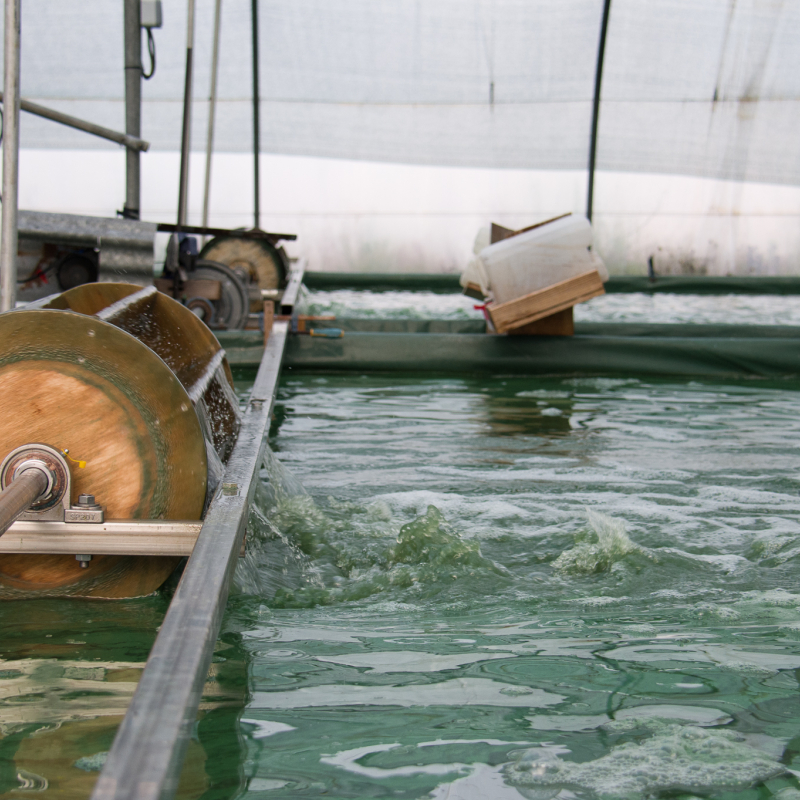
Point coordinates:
[[616, 284], [597, 349]]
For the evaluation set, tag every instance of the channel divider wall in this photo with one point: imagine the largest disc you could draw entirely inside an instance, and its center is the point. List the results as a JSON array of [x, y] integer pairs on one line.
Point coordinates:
[[145, 761]]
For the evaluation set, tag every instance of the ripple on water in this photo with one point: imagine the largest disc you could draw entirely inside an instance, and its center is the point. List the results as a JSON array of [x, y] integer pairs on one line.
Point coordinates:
[[451, 593]]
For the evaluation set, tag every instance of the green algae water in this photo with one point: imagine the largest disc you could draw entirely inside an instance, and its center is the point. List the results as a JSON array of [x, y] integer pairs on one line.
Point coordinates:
[[471, 588], [525, 588]]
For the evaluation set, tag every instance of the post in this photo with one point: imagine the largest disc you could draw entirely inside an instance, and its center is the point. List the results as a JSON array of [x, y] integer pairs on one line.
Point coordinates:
[[8, 234], [256, 119], [598, 82], [212, 108], [133, 106], [187, 119]]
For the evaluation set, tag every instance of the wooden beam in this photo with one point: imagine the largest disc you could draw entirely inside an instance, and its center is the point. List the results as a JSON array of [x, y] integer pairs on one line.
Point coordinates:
[[499, 233], [544, 302], [562, 323]]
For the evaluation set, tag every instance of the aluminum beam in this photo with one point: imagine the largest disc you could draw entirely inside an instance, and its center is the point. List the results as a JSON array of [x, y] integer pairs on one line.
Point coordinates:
[[292, 291], [8, 225], [151, 537], [132, 142], [146, 758]]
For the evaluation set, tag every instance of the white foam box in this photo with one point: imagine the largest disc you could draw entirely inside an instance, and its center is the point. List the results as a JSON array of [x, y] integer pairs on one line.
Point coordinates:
[[544, 256]]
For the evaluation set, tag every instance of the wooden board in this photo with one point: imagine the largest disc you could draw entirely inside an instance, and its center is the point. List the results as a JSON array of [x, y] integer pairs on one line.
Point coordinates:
[[498, 232], [545, 302], [562, 323]]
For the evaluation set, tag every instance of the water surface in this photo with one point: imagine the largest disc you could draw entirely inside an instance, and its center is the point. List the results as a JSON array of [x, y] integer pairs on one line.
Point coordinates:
[[636, 307], [524, 588]]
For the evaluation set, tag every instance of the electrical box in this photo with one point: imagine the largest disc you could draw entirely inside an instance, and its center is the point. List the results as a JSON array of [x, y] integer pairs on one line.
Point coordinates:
[[150, 13]]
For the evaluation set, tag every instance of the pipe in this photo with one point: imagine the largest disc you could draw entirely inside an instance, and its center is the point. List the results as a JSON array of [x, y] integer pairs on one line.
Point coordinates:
[[82, 125], [8, 225], [187, 120], [212, 108], [18, 496], [256, 120], [133, 106], [598, 82]]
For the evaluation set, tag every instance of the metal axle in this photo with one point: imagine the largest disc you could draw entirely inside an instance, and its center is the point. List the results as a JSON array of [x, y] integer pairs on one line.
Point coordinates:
[[21, 493]]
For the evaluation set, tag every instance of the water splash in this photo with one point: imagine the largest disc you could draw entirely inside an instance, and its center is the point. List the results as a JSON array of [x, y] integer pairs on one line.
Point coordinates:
[[678, 758], [602, 547]]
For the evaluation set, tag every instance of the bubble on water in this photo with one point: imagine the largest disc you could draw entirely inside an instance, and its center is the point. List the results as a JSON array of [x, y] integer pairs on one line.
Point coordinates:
[[606, 544], [678, 758]]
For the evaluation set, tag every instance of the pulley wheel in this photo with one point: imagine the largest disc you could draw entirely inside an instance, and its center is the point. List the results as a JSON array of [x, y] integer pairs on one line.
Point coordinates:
[[233, 305], [265, 265], [84, 386]]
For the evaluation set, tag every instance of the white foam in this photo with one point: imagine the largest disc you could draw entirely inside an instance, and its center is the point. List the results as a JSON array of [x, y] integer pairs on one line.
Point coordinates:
[[675, 759]]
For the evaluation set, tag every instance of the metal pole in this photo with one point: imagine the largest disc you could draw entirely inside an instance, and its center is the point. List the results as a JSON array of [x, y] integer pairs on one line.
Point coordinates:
[[256, 118], [598, 82], [187, 119], [133, 106], [212, 107], [8, 234], [19, 495], [81, 125]]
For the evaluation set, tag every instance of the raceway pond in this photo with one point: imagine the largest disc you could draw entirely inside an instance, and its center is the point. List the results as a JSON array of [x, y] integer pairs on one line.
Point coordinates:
[[471, 588]]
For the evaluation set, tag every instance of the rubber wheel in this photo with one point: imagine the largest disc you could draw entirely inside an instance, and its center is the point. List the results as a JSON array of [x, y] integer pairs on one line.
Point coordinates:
[[75, 270], [233, 306]]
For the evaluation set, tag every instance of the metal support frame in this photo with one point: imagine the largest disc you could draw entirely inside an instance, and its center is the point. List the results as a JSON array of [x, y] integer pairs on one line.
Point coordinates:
[[598, 83], [8, 226], [256, 120], [212, 109], [20, 494], [145, 760], [132, 537], [292, 291], [165, 227], [133, 106], [132, 142], [183, 189]]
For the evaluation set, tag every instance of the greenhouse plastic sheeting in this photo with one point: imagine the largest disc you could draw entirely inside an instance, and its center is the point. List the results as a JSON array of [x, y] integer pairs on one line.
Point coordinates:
[[701, 87]]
